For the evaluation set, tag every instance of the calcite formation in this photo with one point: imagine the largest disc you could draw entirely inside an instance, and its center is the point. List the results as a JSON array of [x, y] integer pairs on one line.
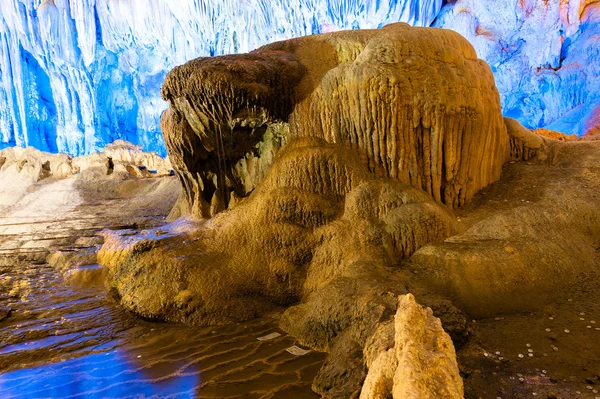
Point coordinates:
[[221, 109], [411, 357], [321, 231], [325, 174], [415, 103], [318, 215], [336, 156], [524, 145], [531, 233], [119, 160]]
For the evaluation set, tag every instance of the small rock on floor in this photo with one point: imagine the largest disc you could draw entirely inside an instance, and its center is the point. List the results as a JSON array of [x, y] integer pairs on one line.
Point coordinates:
[[4, 313]]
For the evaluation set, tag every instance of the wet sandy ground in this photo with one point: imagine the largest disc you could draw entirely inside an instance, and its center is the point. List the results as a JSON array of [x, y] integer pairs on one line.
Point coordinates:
[[553, 352], [550, 352], [63, 336]]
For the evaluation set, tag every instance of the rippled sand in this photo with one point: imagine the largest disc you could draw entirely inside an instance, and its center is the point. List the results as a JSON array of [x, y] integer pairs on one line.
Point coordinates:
[[63, 336]]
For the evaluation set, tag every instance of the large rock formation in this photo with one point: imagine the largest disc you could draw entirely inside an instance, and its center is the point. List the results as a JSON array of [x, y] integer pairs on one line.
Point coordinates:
[[415, 103], [318, 216], [335, 155], [326, 173], [220, 112]]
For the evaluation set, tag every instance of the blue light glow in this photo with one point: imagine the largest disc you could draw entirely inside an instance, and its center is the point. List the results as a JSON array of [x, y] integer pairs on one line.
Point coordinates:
[[87, 377], [78, 74]]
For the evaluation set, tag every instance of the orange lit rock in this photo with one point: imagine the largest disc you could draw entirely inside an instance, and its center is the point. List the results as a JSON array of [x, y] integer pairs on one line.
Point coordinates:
[[415, 103], [411, 357]]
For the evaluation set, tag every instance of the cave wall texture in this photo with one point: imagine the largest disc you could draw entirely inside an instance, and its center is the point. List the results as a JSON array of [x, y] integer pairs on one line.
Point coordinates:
[[78, 74]]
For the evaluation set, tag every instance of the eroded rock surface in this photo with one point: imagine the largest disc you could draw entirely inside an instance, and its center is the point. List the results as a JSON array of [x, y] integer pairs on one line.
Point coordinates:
[[524, 145], [326, 174], [411, 357], [321, 229], [318, 215], [335, 155], [119, 160], [415, 103], [533, 231]]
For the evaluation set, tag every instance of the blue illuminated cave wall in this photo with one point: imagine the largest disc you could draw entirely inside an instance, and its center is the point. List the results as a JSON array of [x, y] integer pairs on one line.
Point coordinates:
[[78, 74], [545, 55]]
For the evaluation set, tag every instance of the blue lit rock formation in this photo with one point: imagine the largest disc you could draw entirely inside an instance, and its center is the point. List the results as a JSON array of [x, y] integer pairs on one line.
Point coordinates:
[[78, 74], [545, 56]]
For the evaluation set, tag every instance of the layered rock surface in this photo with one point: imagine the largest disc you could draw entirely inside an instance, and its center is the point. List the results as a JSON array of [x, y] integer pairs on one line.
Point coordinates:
[[538, 228], [543, 54], [326, 188], [119, 160], [417, 102], [411, 357], [318, 215]]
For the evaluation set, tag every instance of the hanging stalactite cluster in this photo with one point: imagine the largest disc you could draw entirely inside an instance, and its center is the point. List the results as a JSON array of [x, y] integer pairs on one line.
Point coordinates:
[[220, 111]]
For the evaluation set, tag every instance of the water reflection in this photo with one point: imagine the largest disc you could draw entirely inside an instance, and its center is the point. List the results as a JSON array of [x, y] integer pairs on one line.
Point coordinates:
[[115, 374], [66, 337]]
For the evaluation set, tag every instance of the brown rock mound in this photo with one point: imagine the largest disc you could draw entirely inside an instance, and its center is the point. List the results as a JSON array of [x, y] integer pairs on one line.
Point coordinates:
[[300, 230], [333, 156], [532, 232], [320, 229], [416, 103]]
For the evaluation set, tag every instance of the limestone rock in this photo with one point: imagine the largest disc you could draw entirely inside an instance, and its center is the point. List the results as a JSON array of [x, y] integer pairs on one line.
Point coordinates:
[[65, 260], [35, 165], [593, 123], [320, 229], [427, 366], [87, 275], [339, 152], [532, 232], [318, 215], [123, 152], [415, 103], [524, 145], [411, 357], [553, 134], [119, 160], [4, 313], [222, 127]]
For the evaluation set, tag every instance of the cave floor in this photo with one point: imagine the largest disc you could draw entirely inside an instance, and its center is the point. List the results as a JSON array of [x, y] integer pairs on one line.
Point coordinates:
[[553, 352], [549, 352], [65, 337]]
